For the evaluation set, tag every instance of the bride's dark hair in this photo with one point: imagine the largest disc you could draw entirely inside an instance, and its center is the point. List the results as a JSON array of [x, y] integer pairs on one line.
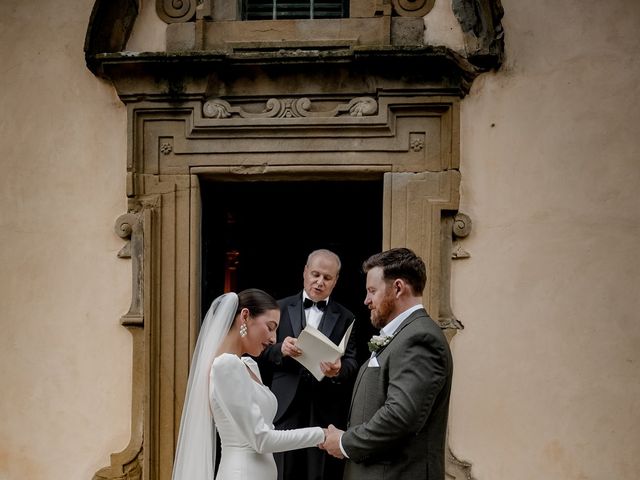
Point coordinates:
[[256, 301]]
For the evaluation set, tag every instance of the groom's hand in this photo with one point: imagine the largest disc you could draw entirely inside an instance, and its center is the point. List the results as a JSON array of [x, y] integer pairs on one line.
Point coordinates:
[[332, 442]]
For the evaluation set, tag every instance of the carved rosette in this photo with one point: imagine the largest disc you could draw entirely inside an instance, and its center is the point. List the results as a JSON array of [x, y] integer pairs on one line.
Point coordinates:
[[412, 8], [176, 11], [290, 108]]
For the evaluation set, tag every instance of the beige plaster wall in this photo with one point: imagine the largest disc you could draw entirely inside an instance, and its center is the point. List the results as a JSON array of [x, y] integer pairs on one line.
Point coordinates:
[[546, 380], [547, 384], [65, 361]]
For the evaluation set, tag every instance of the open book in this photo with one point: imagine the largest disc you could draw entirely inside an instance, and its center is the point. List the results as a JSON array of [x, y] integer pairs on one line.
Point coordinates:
[[316, 347]]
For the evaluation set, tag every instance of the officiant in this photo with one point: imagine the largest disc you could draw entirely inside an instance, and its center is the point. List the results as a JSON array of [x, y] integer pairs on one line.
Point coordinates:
[[304, 401]]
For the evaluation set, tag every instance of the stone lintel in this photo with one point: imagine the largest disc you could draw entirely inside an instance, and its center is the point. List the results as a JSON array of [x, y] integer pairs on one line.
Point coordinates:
[[178, 76]]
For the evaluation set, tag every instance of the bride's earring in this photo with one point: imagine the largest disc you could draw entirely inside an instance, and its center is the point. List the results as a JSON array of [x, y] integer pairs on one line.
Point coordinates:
[[243, 329]]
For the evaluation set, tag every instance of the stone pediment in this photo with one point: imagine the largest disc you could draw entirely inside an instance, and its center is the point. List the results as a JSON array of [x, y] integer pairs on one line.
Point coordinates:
[[378, 39]]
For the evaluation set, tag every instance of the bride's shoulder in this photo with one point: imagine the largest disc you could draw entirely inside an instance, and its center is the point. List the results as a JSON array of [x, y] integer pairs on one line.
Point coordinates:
[[226, 361]]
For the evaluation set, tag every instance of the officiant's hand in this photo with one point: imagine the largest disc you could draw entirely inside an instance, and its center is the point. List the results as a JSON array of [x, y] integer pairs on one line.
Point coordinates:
[[330, 369], [289, 347], [332, 441]]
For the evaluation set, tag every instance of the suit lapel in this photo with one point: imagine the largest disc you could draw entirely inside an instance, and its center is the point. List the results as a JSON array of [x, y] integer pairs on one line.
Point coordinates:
[[295, 316], [356, 384], [414, 315], [328, 322], [417, 314]]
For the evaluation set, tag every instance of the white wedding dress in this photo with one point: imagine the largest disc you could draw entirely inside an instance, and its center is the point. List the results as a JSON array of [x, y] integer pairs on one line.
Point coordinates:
[[243, 411]]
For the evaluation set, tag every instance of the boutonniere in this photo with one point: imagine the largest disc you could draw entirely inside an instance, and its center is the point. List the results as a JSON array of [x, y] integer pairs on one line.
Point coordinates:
[[377, 342]]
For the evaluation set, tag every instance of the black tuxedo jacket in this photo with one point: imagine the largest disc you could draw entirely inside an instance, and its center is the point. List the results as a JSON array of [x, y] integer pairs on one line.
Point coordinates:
[[331, 395]]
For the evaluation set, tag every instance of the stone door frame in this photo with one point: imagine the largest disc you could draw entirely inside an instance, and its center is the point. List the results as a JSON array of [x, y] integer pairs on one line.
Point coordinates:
[[412, 141]]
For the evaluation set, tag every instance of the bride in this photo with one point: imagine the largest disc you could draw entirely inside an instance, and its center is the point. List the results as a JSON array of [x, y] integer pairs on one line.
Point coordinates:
[[225, 392]]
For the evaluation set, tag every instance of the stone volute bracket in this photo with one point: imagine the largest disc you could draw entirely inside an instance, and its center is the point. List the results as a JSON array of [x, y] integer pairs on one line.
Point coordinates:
[[455, 227], [128, 464]]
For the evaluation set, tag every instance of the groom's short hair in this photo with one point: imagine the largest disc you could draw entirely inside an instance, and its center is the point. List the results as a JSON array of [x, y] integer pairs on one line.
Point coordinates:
[[400, 263]]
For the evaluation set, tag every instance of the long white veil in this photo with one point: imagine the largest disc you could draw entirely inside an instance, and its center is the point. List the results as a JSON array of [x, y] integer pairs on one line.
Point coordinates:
[[195, 451]]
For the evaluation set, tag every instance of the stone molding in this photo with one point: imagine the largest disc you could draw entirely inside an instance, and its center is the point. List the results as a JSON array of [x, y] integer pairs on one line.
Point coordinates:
[[290, 108], [112, 21], [128, 464]]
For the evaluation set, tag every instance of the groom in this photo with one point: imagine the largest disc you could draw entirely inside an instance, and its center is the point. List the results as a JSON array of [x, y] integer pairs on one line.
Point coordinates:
[[400, 403]]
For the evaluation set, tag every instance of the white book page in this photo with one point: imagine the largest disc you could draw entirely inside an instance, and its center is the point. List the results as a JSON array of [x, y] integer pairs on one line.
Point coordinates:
[[316, 348]]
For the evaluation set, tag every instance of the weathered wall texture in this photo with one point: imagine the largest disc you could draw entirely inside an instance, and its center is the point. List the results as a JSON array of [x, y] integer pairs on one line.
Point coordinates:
[[546, 381], [65, 360]]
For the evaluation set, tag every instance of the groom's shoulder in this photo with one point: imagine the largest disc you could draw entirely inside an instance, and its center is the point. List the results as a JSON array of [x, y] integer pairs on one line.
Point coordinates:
[[421, 321]]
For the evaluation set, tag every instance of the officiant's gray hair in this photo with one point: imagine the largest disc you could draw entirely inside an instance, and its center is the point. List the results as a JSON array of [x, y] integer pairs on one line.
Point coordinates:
[[326, 253]]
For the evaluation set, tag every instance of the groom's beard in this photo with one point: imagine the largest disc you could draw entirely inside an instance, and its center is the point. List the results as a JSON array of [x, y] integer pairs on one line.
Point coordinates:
[[380, 316]]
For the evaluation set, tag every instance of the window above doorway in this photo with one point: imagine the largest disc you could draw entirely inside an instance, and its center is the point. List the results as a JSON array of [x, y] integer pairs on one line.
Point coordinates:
[[255, 25], [294, 9]]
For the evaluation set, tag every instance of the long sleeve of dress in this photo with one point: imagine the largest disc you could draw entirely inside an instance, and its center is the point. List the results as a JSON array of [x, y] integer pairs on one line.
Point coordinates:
[[246, 404]]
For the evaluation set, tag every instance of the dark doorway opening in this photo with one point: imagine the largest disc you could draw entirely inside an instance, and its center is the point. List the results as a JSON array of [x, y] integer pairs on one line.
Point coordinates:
[[259, 234]]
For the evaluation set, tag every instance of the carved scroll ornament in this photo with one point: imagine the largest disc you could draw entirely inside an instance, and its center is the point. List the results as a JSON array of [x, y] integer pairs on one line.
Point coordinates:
[[290, 108], [412, 8], [176, 11]]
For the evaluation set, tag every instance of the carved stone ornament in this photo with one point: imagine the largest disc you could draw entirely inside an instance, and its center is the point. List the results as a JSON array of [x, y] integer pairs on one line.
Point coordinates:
[[128, 464], [456, 226], [290, 108], [457, 469], [175, 11], [412, 8], [461, 228]]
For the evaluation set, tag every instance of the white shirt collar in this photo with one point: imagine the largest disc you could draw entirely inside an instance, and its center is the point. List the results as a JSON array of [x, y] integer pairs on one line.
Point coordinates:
[[391, 327]]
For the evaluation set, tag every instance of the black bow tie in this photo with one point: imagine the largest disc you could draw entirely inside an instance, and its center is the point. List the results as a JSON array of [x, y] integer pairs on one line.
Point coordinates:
[[321, 305]]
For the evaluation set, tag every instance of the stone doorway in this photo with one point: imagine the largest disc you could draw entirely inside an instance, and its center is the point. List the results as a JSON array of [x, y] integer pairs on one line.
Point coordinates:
[[258, 234], [229, 103]]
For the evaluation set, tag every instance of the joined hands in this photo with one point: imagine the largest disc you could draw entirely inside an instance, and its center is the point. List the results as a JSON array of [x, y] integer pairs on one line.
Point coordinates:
[[331, 443]]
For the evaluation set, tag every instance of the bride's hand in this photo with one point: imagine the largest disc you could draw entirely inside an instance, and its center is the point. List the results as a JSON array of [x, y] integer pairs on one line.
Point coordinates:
[[321, 445], [332, 442]]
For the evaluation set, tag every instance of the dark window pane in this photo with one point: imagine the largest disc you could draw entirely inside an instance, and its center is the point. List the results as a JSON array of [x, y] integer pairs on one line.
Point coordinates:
[[294, 9]]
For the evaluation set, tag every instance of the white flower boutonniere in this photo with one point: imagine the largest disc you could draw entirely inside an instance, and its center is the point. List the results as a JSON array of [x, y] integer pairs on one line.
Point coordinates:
[[378, 341]]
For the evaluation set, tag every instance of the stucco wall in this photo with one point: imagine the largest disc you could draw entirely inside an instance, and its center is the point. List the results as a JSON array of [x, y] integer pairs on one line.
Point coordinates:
[[546, 380], [65, 396]]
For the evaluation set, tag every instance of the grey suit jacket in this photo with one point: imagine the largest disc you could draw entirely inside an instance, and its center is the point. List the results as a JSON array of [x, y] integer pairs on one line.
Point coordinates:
[[399, 410]]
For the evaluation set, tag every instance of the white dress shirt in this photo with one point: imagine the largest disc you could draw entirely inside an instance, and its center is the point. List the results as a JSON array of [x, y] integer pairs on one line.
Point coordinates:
[[313, 314]]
